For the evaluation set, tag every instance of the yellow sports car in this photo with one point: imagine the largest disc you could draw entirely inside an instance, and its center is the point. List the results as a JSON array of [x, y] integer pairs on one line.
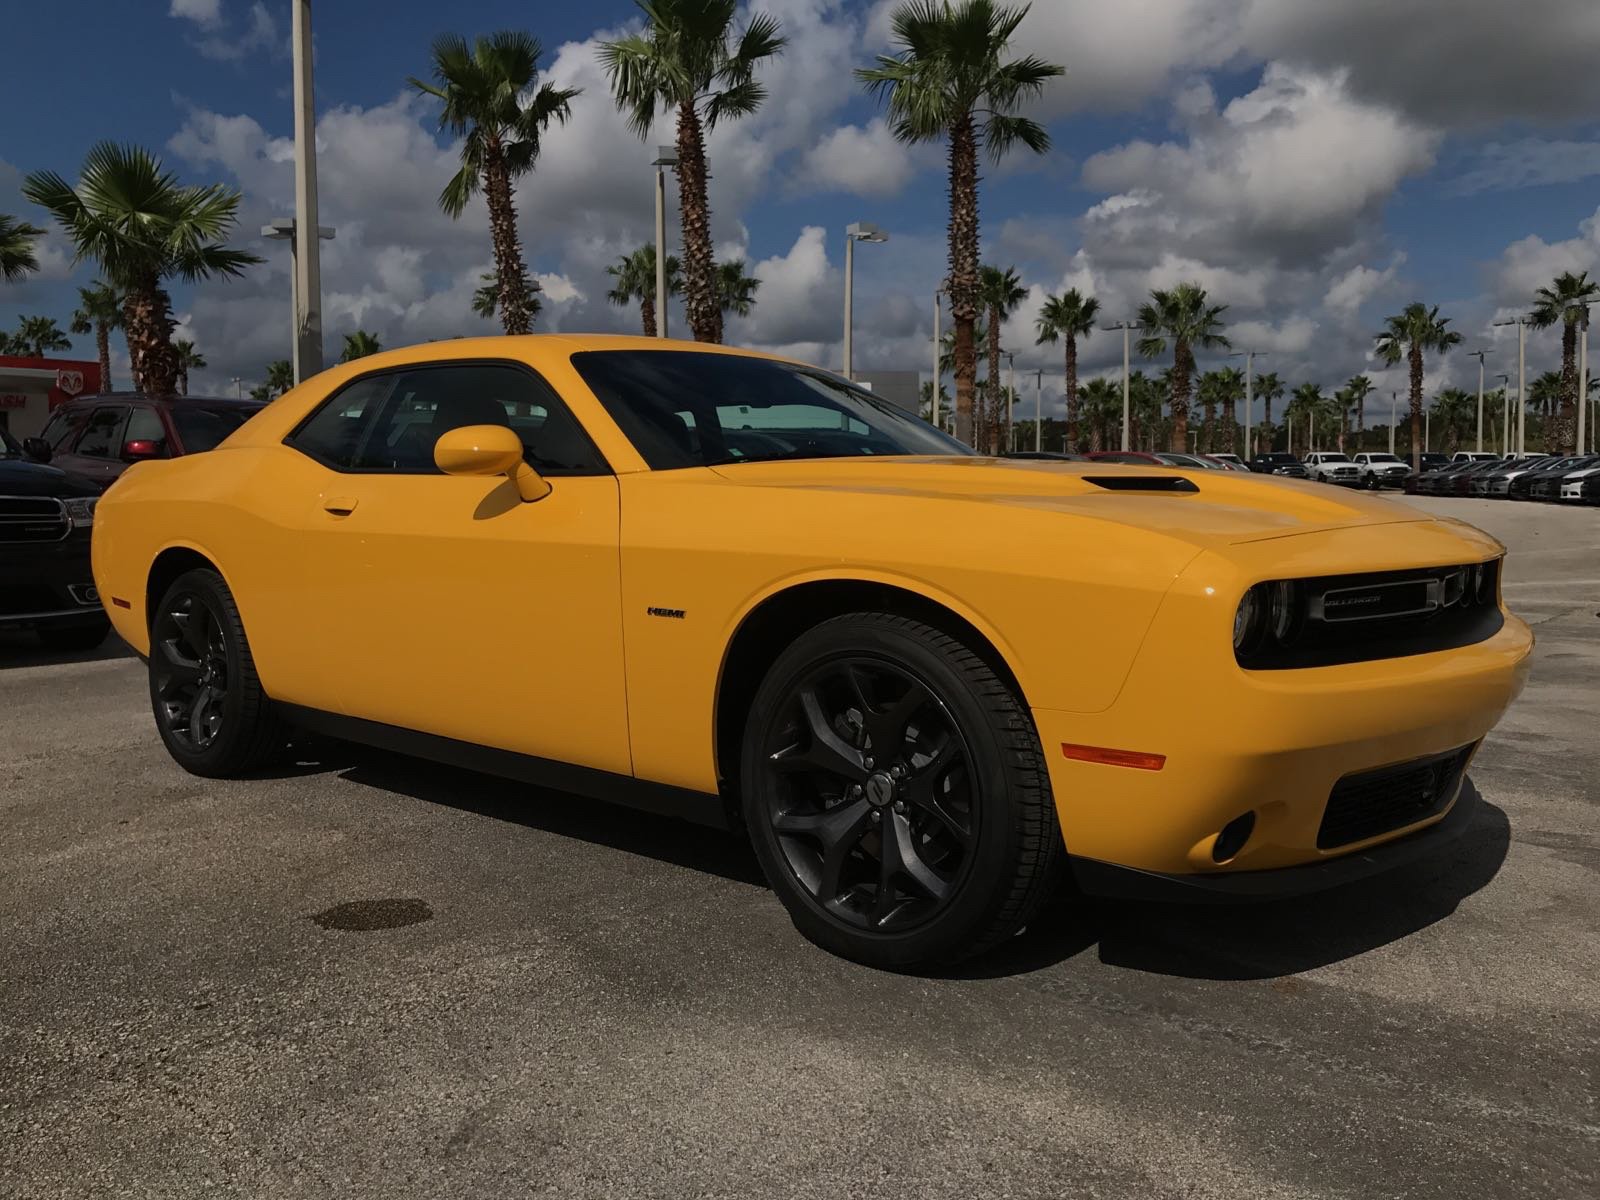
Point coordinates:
[[718, 584]]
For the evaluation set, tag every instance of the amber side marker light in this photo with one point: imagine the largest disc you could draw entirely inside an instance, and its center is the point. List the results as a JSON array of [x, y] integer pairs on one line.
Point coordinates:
[[120, 602], [1115, 758]]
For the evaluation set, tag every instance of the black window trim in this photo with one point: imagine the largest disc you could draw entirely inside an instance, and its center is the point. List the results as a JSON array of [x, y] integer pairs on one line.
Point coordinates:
[[603, 468]]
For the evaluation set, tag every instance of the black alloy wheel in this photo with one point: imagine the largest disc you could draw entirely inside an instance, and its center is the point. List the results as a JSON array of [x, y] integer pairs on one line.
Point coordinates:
[[209, 706], [895, 794], [189, 669], [873, 803]]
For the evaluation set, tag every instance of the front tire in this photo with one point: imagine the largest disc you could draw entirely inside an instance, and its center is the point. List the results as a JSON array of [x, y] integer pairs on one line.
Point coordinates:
[[896, 794], [210, 709]]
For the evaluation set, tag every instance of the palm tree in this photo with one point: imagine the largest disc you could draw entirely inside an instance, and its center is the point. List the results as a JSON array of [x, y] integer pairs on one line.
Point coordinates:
[[494, 102], [1230, 390], [1359, 388], [1144, 410], [1544, 398], [1102, 406], [359, 344], [949, 79], [1182, 315], [736, 291], [1305, 405], [261, 391], [1408, 335], [280, 377], [486, 299], [1454, 409], [99, 311], [1000, 292], [142, 226], [1269, 387], [188, 359], [1567, 301], [37, 336], [1209, 393], [689, 58], [16, 248], [635, 276], [1068, 317]]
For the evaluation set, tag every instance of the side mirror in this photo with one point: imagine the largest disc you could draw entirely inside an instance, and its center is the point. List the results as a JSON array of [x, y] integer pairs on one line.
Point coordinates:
[[37, 449], [139, 449], [489, 450]]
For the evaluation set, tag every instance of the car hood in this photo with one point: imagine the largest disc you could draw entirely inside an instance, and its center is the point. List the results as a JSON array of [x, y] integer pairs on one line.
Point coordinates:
[[18, 477], [1229, 507]]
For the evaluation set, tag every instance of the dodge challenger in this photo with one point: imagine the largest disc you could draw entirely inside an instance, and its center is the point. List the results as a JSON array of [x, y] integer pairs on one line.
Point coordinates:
[[929, 685]]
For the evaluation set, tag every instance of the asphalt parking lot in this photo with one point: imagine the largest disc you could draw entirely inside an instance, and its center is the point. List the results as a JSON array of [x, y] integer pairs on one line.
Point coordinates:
[[574, 1001]]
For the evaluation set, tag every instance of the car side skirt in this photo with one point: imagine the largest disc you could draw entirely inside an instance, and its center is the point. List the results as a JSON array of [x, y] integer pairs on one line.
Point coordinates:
[[1109, 880], [702, 808]]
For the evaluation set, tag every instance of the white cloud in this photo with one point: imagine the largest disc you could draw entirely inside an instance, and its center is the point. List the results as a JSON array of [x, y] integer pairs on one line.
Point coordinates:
[[1531, 262], [205, 13], [1349, 292], [258, 35], [864, 161], [801, 295]]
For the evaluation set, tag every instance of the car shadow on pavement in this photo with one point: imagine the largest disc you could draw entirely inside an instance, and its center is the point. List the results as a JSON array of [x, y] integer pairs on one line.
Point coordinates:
[[1266, 939], [682, 843]]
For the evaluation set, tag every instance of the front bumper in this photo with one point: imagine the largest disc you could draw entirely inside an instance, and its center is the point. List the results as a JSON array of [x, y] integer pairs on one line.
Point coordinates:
[[1272, 743], [47, 583]]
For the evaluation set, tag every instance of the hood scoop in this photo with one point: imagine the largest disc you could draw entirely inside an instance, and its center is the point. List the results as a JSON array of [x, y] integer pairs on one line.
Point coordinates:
[[1142, 483]]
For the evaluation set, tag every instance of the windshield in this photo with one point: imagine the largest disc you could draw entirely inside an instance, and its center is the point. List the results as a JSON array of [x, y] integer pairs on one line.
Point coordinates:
[[693, 409], [203, 429], [1327, 458], [1383, 458]]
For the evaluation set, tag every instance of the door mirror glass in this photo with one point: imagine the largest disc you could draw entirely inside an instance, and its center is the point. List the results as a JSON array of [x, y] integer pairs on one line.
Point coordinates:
[[488, 450], [37, 449]]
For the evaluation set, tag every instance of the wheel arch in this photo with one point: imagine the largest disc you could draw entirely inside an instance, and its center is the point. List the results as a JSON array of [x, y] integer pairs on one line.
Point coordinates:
[[170, 563], [787, 611]]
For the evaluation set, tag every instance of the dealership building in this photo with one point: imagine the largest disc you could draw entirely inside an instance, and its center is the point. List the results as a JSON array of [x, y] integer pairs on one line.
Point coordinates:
[[31, 388]]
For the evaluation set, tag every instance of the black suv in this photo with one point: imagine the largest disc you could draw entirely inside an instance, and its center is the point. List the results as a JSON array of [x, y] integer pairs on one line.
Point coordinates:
[[1279, 464], [45, 582]]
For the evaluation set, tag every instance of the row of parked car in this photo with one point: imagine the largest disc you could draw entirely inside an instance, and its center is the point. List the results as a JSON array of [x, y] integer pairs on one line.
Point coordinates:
[[1571, 479]]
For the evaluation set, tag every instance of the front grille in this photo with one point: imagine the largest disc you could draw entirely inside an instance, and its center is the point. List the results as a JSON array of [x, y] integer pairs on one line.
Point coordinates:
[[1374, 802], [32, 519]]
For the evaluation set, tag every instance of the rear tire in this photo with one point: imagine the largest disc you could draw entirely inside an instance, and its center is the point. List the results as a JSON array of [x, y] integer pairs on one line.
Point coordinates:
[[210, 709], [896, 794]]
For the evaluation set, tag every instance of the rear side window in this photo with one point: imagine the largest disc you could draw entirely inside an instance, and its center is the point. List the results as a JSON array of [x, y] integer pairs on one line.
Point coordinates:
[[63, 427], [390, 423], [102, 436]]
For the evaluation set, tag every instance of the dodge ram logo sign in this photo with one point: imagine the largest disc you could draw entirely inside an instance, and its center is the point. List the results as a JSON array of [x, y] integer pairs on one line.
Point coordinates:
[[70, 382]]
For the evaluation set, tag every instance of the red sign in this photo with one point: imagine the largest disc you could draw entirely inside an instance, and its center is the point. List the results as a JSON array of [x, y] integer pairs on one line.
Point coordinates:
[[13, 400]]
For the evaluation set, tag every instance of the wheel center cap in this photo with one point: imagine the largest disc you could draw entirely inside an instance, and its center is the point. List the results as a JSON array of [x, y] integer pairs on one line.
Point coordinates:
[[880, 789]]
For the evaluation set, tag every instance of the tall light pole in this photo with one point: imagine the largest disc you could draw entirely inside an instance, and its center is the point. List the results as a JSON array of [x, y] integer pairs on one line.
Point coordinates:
[[1583, 383], [1505, 413], [1479, 355], [666, 156], [1522, 381], [238, 387], [1394, 415], [308, 256], [1011, 395], [938, 350], [283, 229], [859, 232], [1127, 329], [1249, 357], [1038, 411]]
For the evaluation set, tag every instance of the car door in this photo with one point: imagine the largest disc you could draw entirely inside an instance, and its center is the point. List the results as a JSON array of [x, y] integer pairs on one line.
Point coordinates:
[[97, 453], [447, 604]]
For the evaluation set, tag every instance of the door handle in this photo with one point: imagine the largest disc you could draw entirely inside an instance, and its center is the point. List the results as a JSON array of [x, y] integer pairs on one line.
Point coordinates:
[[339, 506]]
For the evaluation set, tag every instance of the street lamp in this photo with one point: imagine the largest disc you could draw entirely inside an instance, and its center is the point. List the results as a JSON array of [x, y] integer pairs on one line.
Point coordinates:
[[1505, 413], [1249, 357], [1583, 383], [238, 387], [284, 229], [1011, 395], [859, 232], [938, 349], [1038, 411], [1127, 329], [1479, 355], [666, 156], [1522, 380], [307, 358]]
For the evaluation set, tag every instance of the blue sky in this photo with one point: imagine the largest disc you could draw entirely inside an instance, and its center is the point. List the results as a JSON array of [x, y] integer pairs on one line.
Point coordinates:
[[1308, 166]]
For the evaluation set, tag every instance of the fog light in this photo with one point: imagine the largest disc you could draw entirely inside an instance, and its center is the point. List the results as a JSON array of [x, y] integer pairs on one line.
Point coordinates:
[[1233, 837]]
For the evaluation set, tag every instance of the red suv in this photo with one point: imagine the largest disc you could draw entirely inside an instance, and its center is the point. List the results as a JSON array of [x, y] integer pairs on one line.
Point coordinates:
[[98, 436]]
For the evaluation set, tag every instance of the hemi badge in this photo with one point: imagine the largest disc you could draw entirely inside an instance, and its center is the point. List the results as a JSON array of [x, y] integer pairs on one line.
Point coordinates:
[[120, 602]]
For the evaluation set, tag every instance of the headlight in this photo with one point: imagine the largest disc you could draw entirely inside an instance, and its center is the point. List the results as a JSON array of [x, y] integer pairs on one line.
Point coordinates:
[[1281, 610], [1247, 620], [80, 510]]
